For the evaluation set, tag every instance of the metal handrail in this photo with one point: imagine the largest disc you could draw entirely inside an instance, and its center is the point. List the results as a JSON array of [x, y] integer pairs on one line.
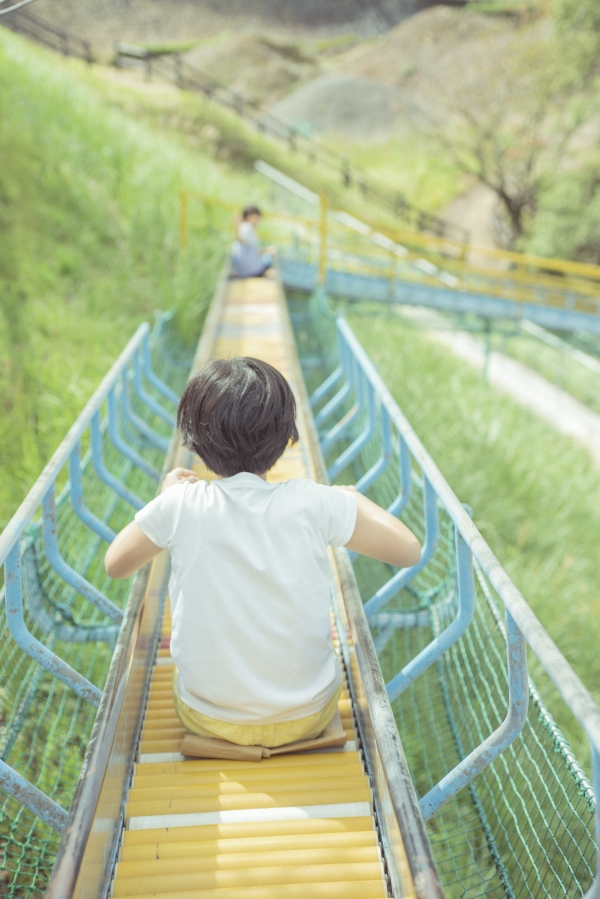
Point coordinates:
[[23, 22], [522, 625], [34, 498], [125, 372]]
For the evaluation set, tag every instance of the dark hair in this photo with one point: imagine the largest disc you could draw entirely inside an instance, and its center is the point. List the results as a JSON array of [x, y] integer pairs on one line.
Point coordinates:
[[250, 210], [237, 415]]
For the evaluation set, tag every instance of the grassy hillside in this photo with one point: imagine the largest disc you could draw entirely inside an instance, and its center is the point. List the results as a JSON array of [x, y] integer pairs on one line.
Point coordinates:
[[88, 221]]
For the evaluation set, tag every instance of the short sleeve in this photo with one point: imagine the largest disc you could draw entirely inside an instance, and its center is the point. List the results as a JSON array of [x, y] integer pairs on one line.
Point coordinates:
[[159, 518], [339, 509]]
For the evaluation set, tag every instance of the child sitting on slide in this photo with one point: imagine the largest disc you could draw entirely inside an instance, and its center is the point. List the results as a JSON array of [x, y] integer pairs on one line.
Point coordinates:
[[247, 258], [249, 589]]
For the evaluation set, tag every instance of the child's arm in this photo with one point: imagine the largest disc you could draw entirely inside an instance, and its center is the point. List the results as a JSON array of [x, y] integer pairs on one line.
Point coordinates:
[[381, 536], [131, 549]]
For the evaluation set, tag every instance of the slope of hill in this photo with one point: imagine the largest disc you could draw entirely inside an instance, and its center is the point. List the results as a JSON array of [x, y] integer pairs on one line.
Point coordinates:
[[107, 21], [88, 218]]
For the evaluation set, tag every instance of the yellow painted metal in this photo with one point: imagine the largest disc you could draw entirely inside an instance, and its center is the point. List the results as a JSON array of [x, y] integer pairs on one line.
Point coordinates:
[[371, 889], [316, 761], [253, 775], [248, 877], [200, 848], [254, 830], [258, 800], [232, 788], [254, 858]]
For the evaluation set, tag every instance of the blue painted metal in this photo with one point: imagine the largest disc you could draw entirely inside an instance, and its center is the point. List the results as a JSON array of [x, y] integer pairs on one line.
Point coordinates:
[[22, 517], [43, 494], [139, 424], [65, 571], [138, 366], [302, 276], [28, 643], [594, 891], [77, 500], [322, 391], [102, 471], [152, 378], [496, 743], [124, 448], [403, 577], [357, 386], [455, 630], [405, 466], [522, 627], [376, 470], [28, 795], [356, 447], [340, 397]]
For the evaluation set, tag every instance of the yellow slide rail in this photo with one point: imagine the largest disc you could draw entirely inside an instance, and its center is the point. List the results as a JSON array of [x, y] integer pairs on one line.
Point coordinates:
[[378, 249]]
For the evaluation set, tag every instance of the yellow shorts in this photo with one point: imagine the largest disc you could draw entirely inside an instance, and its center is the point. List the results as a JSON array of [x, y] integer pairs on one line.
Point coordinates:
[[270, 735]]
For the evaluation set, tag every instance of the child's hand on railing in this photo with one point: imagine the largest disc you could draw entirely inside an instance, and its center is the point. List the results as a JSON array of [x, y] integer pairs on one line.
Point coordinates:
[[178, 476]]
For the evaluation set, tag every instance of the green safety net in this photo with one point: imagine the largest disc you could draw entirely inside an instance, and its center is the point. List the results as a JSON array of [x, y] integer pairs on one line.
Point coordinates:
[[44, 725], [524, 827]]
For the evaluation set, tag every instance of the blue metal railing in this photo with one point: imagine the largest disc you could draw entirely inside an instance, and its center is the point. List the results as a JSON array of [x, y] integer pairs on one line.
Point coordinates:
[[358, 385], [126, 375]]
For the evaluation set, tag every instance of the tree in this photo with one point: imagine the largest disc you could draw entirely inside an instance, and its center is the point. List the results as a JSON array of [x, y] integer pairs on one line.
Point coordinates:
[[578, 23], [509, 120]]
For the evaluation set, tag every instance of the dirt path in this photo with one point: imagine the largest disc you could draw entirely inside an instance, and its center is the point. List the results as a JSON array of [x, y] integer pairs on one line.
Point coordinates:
[[530, 389], [474, 211]]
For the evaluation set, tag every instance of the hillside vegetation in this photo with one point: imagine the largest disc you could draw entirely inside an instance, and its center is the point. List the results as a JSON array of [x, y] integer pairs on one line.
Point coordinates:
[[447, 99], [89, 248]]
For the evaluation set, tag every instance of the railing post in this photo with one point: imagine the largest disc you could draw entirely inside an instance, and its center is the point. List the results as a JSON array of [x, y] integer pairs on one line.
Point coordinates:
[[376, 470], [64, 570], [344, 391], [350, 453], [405, 575], [178, 70], [32, 798], [464, 615], [594, 890], [404, 464], [122, 445], [106, 476], [29, 644], [152, 377], [161, 443], [503, 736], [339, 428], [326, 386], [143, 394], [77, 501]]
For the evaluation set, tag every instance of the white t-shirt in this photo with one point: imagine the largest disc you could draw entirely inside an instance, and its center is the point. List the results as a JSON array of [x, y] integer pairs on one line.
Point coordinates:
[[249, 593]]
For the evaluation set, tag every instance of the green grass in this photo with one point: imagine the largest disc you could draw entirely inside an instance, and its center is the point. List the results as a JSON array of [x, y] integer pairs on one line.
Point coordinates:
[[411, 166], [90, 172], [535, 493], [164, 48], [556, 365], [89, 245]]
